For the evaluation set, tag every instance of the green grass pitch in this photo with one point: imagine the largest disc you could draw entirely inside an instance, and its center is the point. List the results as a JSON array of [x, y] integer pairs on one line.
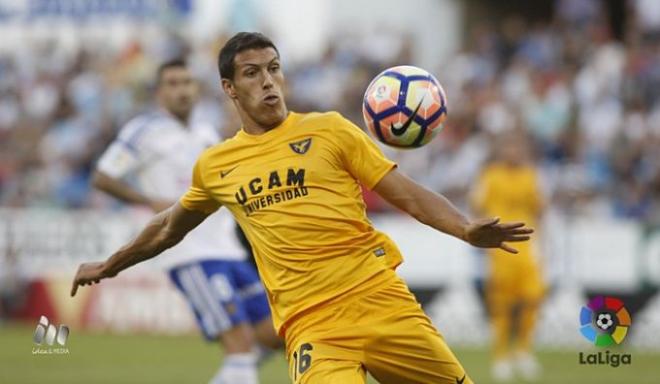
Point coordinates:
[[103, 358]]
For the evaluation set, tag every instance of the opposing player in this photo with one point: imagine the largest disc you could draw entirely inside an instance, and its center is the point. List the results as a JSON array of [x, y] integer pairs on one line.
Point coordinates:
[[292, 181], [509, 188], [156, 152]]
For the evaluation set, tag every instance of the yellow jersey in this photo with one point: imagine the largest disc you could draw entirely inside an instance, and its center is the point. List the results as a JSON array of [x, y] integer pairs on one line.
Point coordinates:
[[295, 192], [511, 193]]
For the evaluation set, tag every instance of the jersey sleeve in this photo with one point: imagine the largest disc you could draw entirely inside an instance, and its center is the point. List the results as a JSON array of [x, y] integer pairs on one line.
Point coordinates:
[[130, 150], [363, 159], [119, 160], [197, 197]]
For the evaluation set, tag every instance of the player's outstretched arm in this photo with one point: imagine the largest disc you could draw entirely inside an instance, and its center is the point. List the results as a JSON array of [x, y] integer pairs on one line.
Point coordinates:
[[165, 230], [124, 192], [436, 211]]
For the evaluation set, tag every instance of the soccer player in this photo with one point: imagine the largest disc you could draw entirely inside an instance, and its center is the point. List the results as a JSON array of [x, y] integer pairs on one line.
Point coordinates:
[[509, 188], [292, 181], [156, 152]]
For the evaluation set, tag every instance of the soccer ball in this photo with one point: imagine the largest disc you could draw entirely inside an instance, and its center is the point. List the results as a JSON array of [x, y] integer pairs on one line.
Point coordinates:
[[604, 321], [404, 107]]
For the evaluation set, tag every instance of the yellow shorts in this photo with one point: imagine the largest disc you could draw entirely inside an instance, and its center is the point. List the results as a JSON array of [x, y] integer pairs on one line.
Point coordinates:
[[383, 331], [515, 277]]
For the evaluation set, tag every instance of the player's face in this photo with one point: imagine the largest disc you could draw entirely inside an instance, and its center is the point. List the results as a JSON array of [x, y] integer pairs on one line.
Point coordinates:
[[258, 87], [513, 150], [177, 91]]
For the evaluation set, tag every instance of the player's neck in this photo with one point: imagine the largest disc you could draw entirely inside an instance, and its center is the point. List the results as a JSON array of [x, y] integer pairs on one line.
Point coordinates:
[[181, 118], [256, 129], [513, 164], [252, 127]]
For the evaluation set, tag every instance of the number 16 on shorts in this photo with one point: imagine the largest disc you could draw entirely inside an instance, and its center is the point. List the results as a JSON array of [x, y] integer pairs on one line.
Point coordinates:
[[302, 360]]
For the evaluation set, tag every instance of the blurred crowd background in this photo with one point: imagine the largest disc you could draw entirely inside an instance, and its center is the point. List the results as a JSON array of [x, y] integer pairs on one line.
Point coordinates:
[[582, 83]]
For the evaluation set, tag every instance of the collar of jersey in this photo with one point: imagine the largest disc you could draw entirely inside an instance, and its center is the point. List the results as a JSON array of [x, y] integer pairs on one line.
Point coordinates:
[[286, 124]]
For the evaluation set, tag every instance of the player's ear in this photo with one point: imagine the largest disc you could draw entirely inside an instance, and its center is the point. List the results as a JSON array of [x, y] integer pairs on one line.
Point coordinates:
[[228, 87]]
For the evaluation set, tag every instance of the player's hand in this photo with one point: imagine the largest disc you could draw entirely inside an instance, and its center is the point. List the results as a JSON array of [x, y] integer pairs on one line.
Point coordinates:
[[490, 233], [88, 274]]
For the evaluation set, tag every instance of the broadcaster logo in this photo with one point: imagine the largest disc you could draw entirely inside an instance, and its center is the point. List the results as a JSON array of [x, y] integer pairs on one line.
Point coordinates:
[[46, 332]]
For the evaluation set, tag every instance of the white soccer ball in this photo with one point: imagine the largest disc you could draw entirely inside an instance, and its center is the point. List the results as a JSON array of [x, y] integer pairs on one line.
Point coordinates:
[[604, 321], [404, 107]]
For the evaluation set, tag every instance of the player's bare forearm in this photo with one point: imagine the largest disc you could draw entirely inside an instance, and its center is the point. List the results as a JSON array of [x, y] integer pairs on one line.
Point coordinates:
[[124, 192], [117, 189], [154, 239], [426, 206], [436, 211], [165, 230]]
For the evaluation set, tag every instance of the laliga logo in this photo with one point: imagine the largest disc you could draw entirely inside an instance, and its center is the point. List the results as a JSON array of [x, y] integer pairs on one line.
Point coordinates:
[[604, 321]]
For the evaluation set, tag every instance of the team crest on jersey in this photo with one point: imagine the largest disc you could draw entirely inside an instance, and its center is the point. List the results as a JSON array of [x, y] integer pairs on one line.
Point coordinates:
[[301, 147]]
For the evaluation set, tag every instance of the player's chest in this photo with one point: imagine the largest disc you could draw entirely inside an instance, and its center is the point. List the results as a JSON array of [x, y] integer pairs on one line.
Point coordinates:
[[512, 189], [289, 165]]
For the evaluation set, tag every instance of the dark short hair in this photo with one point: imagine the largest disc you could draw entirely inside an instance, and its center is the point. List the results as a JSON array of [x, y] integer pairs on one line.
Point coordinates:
[[240, 42], [174, 63]]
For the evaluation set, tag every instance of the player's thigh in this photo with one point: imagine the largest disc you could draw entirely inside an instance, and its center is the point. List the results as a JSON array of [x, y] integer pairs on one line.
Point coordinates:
[[325, 370], [412, 351], [266, 335], [407, 348], [500, 298], [238, 339], [326, 348], [532, 284], [508, 280]]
